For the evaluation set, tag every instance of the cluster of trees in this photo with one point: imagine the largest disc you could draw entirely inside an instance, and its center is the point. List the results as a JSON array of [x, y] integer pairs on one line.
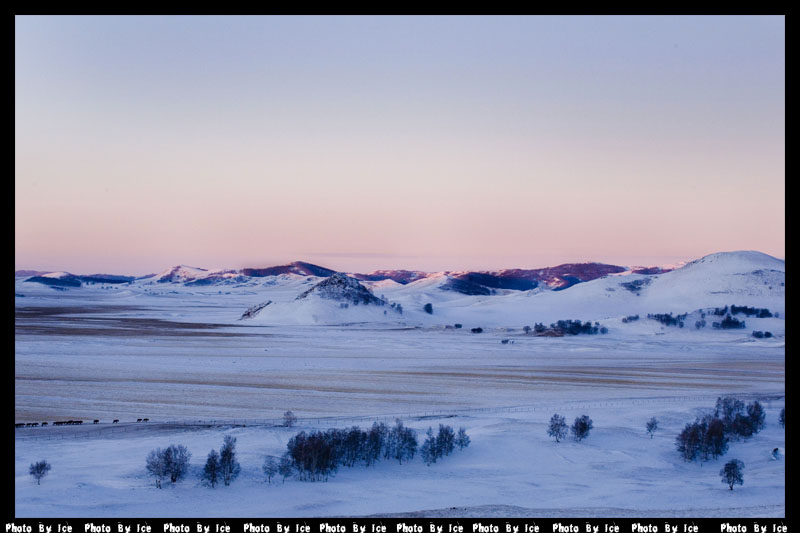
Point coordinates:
[[171, 462], [750, 311], [762, 334], [557, 428], [222, 466], [569, 327], [317, 455], [631, 318], [636, 285], [442, 444], [311, 456], [669, 320], [709, 436], [729, 323]]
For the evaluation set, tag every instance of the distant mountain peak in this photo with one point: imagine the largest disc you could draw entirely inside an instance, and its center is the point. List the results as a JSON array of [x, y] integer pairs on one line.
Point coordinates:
[[180, 273], [300, 268], [342, 288]]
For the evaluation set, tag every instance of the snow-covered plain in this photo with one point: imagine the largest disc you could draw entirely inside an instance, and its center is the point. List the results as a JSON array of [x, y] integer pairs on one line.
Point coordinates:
[[181, 356]]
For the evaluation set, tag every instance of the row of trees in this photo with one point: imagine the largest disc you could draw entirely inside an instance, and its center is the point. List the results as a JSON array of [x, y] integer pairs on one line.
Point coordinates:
[[568, 327], [311, 456], [557, 428], [668, 320], [173, 463], [442, 444], [729, 323], [317, 455], [745, 310]]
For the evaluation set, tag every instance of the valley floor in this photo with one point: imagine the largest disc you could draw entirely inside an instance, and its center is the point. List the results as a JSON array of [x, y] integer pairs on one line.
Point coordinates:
[[197, 383]]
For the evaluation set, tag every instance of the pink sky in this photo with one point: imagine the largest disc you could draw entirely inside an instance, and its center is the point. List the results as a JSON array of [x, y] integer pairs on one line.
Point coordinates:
[[242, 141]]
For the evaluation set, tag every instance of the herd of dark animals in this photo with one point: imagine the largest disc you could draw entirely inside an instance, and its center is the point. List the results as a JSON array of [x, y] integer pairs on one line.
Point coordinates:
[[68, 423]]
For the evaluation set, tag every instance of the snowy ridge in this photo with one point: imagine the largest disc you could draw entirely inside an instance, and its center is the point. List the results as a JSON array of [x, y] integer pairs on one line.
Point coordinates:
[[740, 278]]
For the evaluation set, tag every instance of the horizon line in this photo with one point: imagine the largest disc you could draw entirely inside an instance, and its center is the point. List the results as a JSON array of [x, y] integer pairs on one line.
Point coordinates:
[[676, 264]]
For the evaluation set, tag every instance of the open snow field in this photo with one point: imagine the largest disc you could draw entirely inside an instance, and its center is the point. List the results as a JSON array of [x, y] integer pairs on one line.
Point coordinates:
[[182, 358], [511, 468]]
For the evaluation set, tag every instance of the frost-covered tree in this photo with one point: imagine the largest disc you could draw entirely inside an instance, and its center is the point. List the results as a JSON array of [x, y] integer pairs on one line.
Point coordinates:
[[270, 468], [428, 451], [731, 473], [39, 470], [353, 446], [652, 426], [176, 461], [374, 443], [210, 475], [445, 440], [782, 418], [462, 439], [401, 442], [171, 462], [155, 466], [285, 467], [557, 427], [289, 419], [581, 427], [228, 465]]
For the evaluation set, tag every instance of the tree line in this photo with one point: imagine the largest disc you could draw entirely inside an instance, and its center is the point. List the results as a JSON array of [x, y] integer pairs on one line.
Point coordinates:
[[310, 456]]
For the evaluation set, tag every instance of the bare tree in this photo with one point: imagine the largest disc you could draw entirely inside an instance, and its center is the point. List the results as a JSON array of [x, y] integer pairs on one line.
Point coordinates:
[[212, 469], [429, 451], [462, 439], [581, 427], [285, 467], [176, 461], [289, 419], [652, 426], [689, 441], [270, 468], [445, 440], [731, 473], [757, 416], [557, 427], [39, 470], [228, 465], [156, 465]]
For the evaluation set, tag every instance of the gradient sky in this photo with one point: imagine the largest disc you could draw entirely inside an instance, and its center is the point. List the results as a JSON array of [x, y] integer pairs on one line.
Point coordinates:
[[430, 143]]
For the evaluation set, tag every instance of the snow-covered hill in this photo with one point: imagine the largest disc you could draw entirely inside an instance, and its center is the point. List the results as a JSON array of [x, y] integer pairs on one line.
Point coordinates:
[[728, 278]]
